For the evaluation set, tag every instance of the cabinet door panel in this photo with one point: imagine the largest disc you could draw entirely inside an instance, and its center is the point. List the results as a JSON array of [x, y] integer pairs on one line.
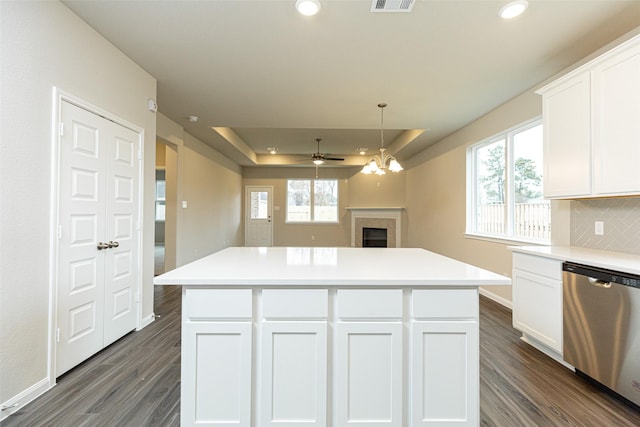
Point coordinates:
[[216, 374], [368, 374], [294, 373], [616, 104], [537, 307], [567, 138], [445, 374]]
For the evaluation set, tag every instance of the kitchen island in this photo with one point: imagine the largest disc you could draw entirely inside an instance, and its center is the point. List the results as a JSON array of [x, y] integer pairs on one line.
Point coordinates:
[[329, 337]]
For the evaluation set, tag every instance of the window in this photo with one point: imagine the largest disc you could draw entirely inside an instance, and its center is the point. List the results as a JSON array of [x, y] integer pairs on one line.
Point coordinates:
[[504, 186], [161, 187], [311, 200], [259, 208]]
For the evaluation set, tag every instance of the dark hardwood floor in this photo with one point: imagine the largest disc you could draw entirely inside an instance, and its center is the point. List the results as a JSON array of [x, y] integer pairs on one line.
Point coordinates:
[[519, 386], [136, 381], [133, 382]]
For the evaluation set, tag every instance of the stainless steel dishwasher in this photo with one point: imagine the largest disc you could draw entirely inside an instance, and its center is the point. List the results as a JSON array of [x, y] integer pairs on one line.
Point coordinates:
[[601, 325]]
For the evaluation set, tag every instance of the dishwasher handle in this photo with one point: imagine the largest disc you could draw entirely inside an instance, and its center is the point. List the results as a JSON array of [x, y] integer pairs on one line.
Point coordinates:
[[599, 283]]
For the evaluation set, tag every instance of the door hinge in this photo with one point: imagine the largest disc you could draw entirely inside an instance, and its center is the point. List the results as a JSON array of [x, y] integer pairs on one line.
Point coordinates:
[[61, 129], [138, 226], [59, 232], [137, 297], [57, 334]]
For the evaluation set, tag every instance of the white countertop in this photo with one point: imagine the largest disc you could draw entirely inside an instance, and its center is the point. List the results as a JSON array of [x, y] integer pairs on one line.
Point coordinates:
[[619, 261], [292, 266]]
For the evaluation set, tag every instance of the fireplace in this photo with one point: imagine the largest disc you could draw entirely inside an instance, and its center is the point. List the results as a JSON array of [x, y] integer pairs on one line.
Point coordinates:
[[374, 237], [388, 219]]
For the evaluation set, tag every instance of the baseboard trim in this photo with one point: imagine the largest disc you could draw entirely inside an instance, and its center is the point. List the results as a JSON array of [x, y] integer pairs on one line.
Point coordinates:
[[20, 400], [497, 298]]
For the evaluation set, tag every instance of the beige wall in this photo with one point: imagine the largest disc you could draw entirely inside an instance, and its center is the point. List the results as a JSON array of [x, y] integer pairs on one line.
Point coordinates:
[[388, 190], [211, 184], [436, 192], [44, 45], [161, 155], [302, 234], [171, 206], [167, 159], [355, 190]]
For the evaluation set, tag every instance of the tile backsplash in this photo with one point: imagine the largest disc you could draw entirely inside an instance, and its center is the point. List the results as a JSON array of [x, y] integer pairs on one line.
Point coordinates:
[[621, 217]]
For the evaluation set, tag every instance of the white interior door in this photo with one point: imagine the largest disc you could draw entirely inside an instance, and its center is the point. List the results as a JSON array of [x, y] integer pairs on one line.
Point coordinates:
[[121, 269], [258, 216], [97, 236], [81, 226]]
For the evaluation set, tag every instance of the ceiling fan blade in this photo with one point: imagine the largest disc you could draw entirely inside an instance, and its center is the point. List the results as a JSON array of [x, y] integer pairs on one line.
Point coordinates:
[[333, 158]]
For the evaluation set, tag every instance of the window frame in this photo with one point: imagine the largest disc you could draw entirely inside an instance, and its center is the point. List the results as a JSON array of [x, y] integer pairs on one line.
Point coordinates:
[[160, 201], [312, 187], [509, 235]]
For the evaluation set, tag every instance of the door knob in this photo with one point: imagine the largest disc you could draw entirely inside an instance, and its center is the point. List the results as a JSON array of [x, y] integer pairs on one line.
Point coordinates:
[[113, 244], [102, 246]]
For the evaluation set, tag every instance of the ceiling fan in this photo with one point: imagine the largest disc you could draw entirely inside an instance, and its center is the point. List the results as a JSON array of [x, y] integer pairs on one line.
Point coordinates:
[[319, 158]]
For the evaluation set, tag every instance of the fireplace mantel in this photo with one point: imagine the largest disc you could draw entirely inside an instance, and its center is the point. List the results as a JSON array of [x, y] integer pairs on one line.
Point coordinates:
[[393, 208], [359, 216]]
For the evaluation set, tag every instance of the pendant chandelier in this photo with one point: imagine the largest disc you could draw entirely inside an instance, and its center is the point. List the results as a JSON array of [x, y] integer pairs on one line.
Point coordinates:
[[379, 163]]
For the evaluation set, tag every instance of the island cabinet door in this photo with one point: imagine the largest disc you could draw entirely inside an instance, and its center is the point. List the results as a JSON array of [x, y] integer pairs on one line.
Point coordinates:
[[368, 361], [216, 374], [216, 357], [444, 374], [294, 374], [293, 358], [444, 367]]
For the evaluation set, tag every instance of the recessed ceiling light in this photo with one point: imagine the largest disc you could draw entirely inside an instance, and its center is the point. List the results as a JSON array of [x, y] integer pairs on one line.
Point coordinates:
[[513, 9], [362, 150], [272, 150], [192, 119], [308, 7]]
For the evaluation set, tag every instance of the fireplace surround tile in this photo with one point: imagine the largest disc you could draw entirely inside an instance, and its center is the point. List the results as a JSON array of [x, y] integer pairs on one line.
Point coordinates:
[[389, 218]]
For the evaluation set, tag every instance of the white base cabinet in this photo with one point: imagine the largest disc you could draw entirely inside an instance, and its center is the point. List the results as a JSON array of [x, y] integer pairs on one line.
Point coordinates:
[[445, 369], [537, 302], [217, 328], [293, 362], [368, 358], [445, 358], [396, 357]]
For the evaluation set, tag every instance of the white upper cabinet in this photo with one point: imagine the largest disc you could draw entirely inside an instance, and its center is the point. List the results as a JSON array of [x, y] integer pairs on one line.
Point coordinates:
[[592, 127], [616, 124], [567, 138]]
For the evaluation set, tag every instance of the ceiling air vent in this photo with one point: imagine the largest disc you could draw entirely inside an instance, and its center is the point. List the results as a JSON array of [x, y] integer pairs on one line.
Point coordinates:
[[392, 5]]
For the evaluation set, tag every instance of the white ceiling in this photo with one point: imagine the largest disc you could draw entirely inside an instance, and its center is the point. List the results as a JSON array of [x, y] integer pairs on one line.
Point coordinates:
[[271, 77]]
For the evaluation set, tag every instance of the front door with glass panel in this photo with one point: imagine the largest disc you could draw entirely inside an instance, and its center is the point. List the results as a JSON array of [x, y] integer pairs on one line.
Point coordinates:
[[258, 214]]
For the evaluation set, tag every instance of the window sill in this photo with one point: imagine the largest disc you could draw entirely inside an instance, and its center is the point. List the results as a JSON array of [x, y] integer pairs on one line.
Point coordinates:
[[506, 240]]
